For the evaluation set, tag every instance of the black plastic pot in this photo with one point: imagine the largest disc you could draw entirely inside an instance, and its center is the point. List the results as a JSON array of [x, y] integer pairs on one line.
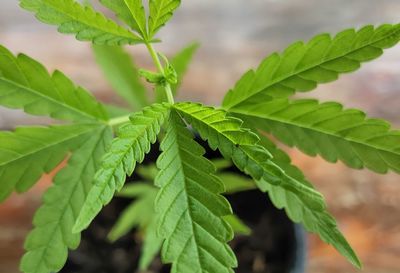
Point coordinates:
[[276, 245]]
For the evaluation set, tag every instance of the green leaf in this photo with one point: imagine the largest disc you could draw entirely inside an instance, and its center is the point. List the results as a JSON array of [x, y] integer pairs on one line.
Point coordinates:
[[29, 152], [222, 163], [279, 157], [131, 12], [133, 216], [152, 77], [161, 12], [131, 145], [320, 222], [116, 111], [73, 18], [181, 63], [139, 214], [301, 67], [148, 172], [328, 130], [236, 182], [136, 190], [171, 76], [238, 226], [47, 245], [122, 74], [151, 245], [242, 146], [26, 84], [190, 206]]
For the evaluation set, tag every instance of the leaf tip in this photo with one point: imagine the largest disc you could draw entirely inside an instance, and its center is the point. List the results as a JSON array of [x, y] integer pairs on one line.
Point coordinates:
[[356, 262], [79, 225]]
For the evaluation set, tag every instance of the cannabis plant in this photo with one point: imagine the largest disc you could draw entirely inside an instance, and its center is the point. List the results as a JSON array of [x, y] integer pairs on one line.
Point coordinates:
[[192, 223]]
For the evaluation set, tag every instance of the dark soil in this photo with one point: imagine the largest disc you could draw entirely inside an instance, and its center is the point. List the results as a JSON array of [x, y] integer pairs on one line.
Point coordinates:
[[270, 249]]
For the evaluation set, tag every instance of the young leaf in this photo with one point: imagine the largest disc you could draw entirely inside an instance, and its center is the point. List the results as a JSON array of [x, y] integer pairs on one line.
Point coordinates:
[[301, 67], [26, 84], [122, 74], [29, 152], [116, 111], [238, 226], [144, 218], [139, 214], [131, 12], [161, 12], [330, 131], [131, 145], [73, 18], [151, 245], [136, 190], [47, 245], [236, 183], [148, 172], [181, 63], [153, 77], [303, 204], [190, 206], [222, 163]]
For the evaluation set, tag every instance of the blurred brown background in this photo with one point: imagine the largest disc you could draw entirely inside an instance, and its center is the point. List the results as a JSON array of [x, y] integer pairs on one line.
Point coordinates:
[[235, 35]]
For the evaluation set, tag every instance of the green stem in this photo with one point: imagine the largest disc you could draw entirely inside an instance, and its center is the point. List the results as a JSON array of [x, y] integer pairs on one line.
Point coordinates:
[[168, 91], [160, 68], [156, 60], [124, 119], [119, 120]]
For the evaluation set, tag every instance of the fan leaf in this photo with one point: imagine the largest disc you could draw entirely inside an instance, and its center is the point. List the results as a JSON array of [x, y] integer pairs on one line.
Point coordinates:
[[190, 206], [320, 222], [328, 130], [26, 84], [242, 146], [161, 12], [47, 245], [73, 18], [132, 143], [29, 152], [131, 12], [301, 67]]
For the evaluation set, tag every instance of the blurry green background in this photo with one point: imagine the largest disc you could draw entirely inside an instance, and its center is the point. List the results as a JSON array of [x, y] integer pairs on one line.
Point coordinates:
[[235, 35]]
